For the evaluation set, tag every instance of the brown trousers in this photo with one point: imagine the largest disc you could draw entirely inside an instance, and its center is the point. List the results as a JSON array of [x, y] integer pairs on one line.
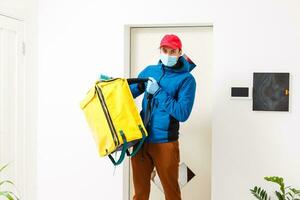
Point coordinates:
[[165, 158]]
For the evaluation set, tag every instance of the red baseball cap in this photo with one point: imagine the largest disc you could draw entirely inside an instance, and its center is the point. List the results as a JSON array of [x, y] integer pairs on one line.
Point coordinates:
[[171, 41]]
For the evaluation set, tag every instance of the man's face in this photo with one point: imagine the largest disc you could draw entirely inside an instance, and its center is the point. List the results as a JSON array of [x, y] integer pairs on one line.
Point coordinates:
[[170, 51]]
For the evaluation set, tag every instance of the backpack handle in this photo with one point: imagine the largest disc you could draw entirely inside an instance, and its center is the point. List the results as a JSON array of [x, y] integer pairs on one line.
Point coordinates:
[[137, 80]]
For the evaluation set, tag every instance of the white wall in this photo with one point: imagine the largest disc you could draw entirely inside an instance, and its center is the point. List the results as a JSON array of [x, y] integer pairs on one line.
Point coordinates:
[[80, 39], [26, 10], [254, 36]]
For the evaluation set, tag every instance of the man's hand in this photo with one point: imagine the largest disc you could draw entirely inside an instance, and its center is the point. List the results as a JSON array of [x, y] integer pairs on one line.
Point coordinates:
[[152, 86]]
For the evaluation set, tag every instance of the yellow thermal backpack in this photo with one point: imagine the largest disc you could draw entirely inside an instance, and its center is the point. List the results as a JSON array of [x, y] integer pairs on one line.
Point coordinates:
[[113, 117]]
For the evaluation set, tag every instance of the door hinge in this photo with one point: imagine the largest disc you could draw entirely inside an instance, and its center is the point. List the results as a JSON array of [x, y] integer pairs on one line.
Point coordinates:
[[23, 48]]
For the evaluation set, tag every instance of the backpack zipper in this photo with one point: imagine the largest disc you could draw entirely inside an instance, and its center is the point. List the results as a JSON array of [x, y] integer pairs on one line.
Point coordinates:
[[107, 116]]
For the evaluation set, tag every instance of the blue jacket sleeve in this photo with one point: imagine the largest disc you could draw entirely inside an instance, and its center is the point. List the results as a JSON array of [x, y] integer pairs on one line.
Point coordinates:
[[138, 88], [181, 107], [135, 91]]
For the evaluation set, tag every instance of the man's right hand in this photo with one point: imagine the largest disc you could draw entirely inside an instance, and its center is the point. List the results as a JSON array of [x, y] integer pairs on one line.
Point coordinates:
[[152, 86]]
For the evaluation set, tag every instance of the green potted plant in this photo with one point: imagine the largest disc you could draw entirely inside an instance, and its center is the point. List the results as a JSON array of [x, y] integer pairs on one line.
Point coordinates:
[[6, 193], [285, 193]]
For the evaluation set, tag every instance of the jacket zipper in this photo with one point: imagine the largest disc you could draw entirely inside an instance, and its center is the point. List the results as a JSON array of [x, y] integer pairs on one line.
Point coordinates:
[[163, 73], [107, 116], [152, 100]]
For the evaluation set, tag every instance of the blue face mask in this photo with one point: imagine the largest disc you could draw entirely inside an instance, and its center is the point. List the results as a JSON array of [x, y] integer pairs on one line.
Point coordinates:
[[168, 61]]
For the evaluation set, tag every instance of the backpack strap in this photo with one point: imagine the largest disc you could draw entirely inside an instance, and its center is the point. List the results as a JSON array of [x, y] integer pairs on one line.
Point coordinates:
[[124, 148], [139, 144]]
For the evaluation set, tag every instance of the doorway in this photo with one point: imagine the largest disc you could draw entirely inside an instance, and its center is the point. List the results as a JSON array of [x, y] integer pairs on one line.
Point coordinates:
[[12, 102], [141, 50]]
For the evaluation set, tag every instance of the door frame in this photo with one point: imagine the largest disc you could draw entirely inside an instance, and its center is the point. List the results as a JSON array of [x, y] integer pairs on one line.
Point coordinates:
[[127, 74], [29, 58], [16, 26]]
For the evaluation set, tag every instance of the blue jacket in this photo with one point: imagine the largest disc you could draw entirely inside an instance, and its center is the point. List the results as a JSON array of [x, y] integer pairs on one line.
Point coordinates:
[[172, 103]]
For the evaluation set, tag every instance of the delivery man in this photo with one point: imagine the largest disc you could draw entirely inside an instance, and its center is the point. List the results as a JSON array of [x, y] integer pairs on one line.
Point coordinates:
[[172, 88]]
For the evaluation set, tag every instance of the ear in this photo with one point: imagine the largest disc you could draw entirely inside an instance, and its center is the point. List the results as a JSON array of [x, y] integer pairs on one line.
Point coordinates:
[[180, 51]]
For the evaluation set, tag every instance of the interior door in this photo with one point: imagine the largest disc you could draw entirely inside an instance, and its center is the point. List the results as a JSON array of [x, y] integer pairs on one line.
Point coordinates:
[[12, 102], [195, 134]]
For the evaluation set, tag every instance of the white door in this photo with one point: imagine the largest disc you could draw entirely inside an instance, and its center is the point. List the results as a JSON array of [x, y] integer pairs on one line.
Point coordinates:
[[12, 105], [195, 134]]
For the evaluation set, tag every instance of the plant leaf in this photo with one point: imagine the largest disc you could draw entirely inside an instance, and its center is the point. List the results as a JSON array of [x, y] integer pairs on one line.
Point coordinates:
[[259, 193], [289, 194], [2, 168], [295, 190], [279, 195], [279, 181], [6, 181], [7, 195]]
